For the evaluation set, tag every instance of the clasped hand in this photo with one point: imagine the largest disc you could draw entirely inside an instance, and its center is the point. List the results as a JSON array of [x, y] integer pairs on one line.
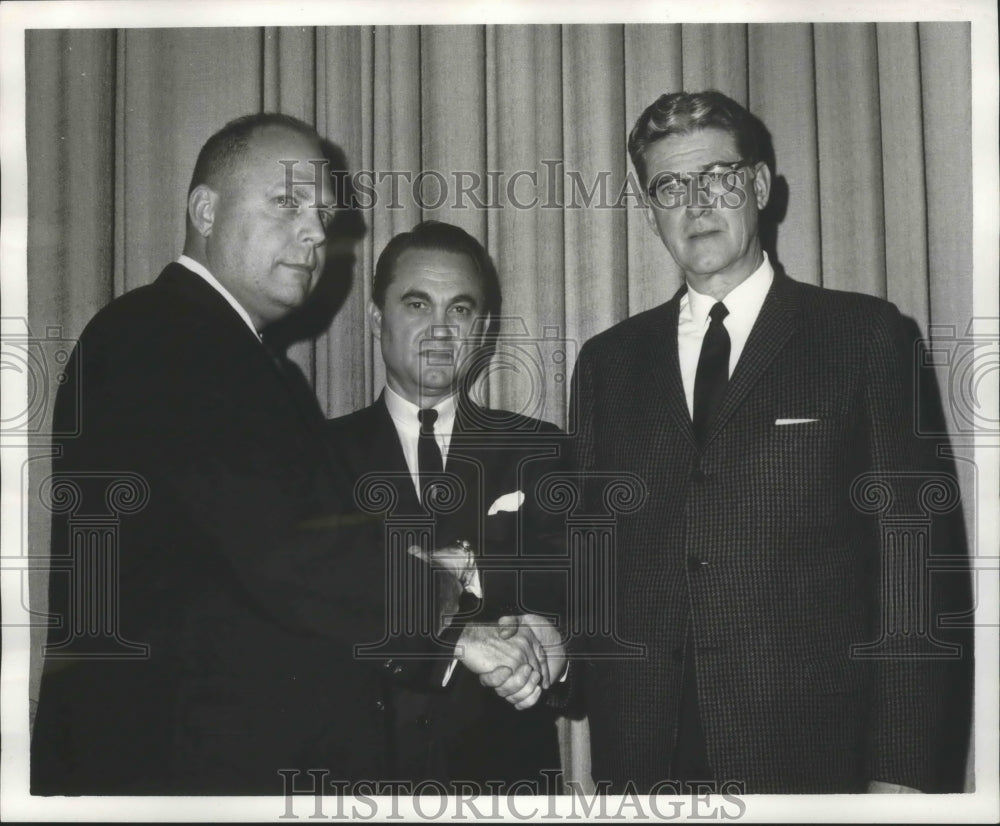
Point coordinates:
[[518, 657]]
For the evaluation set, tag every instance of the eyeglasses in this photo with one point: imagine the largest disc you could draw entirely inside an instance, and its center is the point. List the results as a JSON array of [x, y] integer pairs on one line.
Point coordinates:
[[719, 184]]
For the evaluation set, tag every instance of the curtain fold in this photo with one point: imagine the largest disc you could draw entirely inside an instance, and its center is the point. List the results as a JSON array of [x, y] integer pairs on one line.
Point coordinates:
[[783, 91], [904, 194], [517, 134], [525, 138], [593, 79]]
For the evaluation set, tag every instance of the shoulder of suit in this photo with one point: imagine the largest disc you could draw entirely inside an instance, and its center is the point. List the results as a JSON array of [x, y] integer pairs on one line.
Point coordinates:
[[634, 326], [168, 325], [176, 301], [630, 330], [810, 298], [833, 302], [353, 422], [505, 421], [135, 308]]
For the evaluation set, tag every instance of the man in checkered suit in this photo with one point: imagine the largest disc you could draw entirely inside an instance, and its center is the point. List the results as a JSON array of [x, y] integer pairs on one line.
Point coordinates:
[[769, 422]]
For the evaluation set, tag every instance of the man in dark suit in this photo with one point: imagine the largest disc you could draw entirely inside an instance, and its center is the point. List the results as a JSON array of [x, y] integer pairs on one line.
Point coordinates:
[[762, 416], [434, 295], [210, 644]]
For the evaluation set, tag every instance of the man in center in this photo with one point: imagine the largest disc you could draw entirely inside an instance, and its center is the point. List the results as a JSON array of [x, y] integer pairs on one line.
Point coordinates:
[[434, 296]]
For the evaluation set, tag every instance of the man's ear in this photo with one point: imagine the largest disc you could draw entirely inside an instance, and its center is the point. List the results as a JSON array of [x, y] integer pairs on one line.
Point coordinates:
[[202, 203], [762, 184], [375, 319]]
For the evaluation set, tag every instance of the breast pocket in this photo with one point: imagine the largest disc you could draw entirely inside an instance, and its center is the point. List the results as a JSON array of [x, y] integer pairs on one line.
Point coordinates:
[[805, 468], [501, 528], [801, 446]]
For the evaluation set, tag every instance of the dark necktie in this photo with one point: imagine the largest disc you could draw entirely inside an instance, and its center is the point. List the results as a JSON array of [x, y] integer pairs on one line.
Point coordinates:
[[429, 460], [713, 372], [690, 758]]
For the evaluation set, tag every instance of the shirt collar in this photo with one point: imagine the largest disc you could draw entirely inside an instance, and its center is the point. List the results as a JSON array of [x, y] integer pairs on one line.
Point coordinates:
[[200, 269], [743, 301], [404, 413]]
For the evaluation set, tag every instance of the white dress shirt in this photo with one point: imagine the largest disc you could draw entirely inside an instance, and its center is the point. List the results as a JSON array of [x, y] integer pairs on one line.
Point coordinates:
[[743, 302], [200, 269], [404, 417]]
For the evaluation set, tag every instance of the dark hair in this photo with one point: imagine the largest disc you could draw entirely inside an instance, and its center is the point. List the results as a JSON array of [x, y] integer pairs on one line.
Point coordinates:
[[437, 235], [683, 112], [226, 148]]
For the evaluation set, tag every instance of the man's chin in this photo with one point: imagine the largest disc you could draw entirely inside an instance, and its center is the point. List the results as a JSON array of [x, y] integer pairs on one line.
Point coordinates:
[[437, 382], [708, 265], [292, 297]]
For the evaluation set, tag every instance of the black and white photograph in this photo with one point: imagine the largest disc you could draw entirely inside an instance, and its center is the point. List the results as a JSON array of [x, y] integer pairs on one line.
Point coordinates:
[[500, 411]]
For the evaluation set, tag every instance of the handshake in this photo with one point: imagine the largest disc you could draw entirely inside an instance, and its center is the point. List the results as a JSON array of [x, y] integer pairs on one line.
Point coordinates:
[[518, 656]]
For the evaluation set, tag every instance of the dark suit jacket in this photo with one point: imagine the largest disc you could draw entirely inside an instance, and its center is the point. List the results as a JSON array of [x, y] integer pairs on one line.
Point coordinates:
[[759, 539], [466, 732], [246, 573]]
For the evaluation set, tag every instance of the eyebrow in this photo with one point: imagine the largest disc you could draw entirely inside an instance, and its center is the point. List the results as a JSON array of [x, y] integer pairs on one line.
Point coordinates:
[[296, 188], [702, 168], [420, 294]]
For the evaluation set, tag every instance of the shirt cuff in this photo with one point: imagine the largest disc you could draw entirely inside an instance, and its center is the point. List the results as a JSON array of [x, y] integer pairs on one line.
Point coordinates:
[[474, 586], [449, 672]]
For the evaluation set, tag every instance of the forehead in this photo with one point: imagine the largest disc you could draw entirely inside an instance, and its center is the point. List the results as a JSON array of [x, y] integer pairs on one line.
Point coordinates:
[[440, 273], [274, 150], [689, 151]]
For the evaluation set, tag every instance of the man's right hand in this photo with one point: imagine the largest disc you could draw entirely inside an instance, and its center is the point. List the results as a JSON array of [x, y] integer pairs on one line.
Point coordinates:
[[510, 650], [515, 685]]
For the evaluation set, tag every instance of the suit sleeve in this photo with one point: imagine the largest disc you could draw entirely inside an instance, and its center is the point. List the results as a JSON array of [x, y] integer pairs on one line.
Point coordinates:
[[915, 684], [569, 696], [236, 489]]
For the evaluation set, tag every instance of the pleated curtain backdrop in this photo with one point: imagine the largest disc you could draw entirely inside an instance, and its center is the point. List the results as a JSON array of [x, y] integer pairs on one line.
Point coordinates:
[[871, 129]]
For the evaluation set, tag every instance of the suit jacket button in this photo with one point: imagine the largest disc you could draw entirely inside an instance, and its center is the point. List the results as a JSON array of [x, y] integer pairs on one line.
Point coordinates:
[[423, 721], [387, 664], [397, 669], [380, 705], [695, 564], [698, 475]]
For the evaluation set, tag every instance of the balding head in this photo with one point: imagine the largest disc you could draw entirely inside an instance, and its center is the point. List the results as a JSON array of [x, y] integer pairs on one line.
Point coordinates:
[[258, 207]]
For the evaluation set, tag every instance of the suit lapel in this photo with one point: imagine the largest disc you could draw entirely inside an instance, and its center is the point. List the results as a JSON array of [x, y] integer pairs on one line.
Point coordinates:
[[383, 453], [665, 367], [469, 462], [778, 320]]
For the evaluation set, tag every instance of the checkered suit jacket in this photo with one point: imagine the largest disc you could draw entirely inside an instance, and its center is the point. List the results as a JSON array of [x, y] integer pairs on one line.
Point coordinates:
[[758, 540]]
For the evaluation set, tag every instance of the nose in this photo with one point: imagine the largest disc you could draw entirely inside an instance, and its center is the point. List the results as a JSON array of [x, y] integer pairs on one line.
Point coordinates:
[[695, 210], [311, 230], [440, 328]]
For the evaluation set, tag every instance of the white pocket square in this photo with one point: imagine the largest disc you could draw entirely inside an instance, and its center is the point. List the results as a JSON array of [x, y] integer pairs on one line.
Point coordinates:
[[779, 422], [508, 502]]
